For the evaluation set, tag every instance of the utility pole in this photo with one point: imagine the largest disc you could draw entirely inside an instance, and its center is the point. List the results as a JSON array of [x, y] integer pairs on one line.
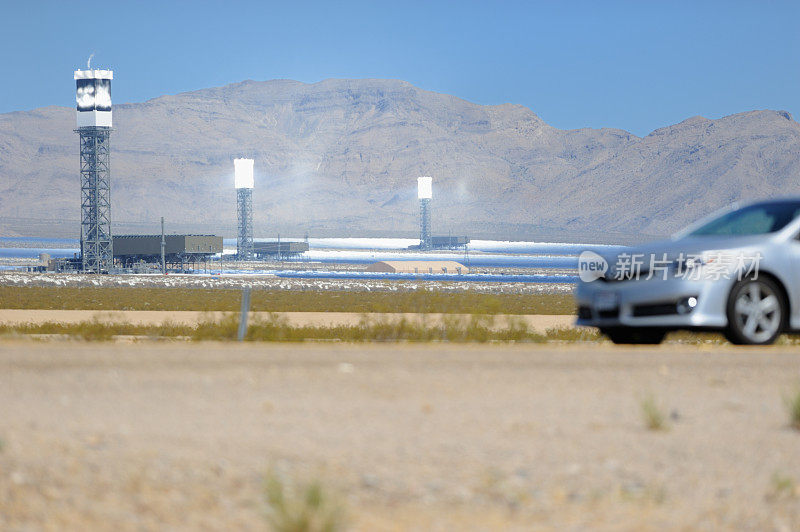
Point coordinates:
[[163, 249]]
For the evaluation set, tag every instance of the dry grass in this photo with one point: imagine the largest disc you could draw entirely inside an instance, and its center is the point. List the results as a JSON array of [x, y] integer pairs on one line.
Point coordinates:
[[459, 329], [792, 402], [652, 414], [782, 487], [211, 299], [306, 508], [574, 334], [96, 330]]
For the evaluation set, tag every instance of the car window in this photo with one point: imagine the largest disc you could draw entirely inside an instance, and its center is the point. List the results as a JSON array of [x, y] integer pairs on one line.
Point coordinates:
[[756, 219]]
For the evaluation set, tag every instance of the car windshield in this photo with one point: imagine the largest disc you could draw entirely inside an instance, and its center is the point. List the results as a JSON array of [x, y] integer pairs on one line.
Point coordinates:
[[757, 219]]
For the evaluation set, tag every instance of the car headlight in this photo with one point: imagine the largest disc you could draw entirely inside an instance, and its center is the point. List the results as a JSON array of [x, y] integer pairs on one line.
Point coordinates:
[[691, 263]]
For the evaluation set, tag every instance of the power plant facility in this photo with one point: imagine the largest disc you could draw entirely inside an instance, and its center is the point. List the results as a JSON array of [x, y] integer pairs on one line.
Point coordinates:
[[177, 251], [243, 181], [100, 252], [449, 242], [279, 250], [426, 241], [425, 193], [93, 97]]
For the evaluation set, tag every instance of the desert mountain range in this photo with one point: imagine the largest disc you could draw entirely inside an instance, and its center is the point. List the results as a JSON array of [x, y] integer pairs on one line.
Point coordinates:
[[341, 157]]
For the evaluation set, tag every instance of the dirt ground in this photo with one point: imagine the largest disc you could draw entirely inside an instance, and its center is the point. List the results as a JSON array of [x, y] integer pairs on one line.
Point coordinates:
[[180, 436], [536, 322]]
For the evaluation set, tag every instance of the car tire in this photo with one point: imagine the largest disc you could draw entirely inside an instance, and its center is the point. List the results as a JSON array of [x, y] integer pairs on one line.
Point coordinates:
[[635, 335], [757, 312]]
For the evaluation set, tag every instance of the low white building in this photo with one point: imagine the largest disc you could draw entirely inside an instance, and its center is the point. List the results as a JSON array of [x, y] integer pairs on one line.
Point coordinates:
[[418, 266]]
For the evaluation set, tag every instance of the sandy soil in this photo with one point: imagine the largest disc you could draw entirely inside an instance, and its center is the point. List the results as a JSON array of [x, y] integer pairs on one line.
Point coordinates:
[[424, 437], [538, 323]]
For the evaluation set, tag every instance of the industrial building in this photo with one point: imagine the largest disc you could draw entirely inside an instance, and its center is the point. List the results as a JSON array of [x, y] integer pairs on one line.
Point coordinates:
[[179, 250], [449, 242], [418, 266], [446, 242], [279, 250]]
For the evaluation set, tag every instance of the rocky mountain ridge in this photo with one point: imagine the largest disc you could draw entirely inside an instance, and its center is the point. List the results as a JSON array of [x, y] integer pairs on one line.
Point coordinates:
[[341, 157]]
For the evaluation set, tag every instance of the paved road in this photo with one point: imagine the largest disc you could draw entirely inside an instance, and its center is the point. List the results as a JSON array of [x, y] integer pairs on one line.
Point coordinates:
[[180, 436]]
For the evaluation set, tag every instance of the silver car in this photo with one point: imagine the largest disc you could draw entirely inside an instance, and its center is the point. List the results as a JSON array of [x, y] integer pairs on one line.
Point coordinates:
[[736, 272]]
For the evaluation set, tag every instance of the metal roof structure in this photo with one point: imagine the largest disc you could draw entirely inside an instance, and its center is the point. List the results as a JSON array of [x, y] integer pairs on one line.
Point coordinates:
[[418, 266]]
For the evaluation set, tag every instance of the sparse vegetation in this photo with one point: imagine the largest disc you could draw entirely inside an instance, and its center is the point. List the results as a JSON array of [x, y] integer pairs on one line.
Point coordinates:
[[792, 401], [460, 329], [652, 414], [781, 487], [477, 328], [229, 300], [96, 330], [472, 328], [306, 508], [574, 334]]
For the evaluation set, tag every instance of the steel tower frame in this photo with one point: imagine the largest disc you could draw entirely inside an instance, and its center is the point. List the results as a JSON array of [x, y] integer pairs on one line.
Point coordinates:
[[244, 216], [97, 254], [425, 223]]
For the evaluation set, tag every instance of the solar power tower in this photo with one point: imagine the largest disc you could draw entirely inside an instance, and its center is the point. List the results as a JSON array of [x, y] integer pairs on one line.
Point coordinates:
[[425, 193], [93, 97], [243, 180]]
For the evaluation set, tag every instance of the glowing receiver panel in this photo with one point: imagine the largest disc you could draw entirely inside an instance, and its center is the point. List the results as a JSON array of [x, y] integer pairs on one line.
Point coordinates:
[[425, 187], [243, 173], [93, 97]]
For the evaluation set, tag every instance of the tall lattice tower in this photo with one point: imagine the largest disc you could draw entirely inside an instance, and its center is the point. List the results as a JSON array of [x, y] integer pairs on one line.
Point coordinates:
[[425, 193], [243, 180], [93, 97]]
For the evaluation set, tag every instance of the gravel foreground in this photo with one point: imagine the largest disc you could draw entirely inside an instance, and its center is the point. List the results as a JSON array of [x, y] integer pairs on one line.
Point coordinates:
[[407, 437]]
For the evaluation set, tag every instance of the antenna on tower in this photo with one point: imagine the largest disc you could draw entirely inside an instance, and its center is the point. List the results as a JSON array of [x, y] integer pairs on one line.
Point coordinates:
[[89, 62]]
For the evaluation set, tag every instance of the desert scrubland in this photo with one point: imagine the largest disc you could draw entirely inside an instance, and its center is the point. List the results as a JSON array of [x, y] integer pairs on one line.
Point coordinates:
[[465, 415], [398, 436]]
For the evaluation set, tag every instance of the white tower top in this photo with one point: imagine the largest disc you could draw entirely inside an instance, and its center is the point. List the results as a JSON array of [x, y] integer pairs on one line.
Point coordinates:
[[93, 97], [243, 173], [425, 187]]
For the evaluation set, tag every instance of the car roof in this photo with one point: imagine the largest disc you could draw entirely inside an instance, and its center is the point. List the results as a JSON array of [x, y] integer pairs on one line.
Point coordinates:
[[773, 201]]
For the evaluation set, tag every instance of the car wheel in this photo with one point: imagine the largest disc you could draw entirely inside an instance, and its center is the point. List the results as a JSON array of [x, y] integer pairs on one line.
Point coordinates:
[[756, 312], [635, 335]]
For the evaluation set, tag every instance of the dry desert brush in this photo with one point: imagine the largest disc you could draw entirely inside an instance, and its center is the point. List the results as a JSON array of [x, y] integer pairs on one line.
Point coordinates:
[[792, 402], [652, 414], [301, 508]]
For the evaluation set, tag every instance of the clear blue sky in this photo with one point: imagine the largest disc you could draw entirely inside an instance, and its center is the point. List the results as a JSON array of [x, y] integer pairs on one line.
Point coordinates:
[[636, 65]]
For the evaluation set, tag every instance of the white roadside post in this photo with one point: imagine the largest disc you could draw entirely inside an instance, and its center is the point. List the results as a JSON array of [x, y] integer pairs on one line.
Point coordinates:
[[243, 314]]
